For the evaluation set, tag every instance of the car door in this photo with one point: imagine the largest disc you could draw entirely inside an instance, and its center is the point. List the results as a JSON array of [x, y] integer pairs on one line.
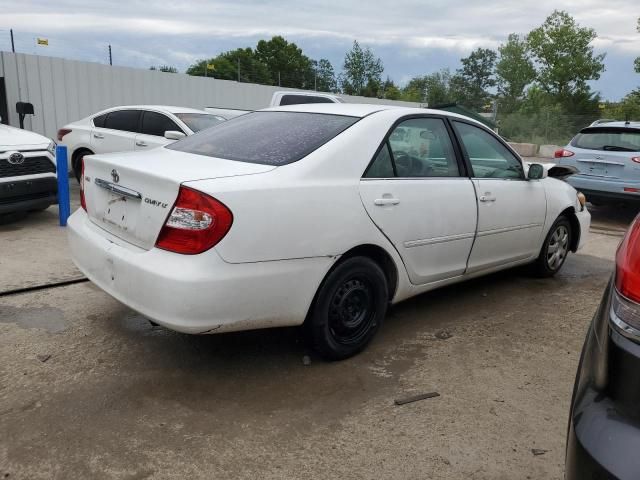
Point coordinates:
[[116, 132], [417, 194], [511, 209], [153, 127]]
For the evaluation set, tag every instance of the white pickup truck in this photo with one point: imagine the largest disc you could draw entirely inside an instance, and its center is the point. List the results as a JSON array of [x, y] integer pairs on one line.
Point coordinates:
[[27, 171], [280, 99]]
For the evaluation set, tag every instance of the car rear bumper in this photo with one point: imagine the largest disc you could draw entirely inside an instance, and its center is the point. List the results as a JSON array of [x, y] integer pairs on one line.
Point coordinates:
[[605, 188], [34, 193], [604, 429], [196, 293]]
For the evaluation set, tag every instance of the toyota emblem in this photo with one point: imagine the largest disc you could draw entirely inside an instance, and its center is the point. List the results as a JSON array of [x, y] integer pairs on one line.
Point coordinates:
[[115, 176], [15, 158]]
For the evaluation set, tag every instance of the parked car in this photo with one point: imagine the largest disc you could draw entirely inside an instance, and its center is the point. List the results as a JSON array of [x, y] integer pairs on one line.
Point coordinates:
[[27, 171], [130, 128], [279, 99], [607, 156], [309, 214], [604, 432]]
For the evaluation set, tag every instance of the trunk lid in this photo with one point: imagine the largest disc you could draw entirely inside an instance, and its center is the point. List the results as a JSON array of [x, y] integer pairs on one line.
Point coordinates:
[[131, 194], [601, 163]]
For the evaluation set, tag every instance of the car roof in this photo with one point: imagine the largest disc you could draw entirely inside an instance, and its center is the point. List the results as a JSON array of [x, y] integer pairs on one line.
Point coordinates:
[[163, 108], [613, 123], [363, 109]]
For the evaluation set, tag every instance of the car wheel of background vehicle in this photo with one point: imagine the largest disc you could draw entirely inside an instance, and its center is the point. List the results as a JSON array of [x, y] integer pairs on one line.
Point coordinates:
[[76, 162], [555, 249], [348, 309]]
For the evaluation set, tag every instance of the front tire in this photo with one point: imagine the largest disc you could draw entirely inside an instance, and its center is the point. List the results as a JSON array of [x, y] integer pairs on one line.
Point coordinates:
[[349, 308], [555, 249]]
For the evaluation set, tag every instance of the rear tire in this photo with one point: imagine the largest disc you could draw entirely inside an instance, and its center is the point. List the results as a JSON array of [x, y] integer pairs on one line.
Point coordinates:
[[348, 309], [555, 249], [76, 162]]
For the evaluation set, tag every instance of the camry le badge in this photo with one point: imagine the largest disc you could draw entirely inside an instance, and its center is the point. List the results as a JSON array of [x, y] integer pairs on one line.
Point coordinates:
[[115, 176], [16, 158]]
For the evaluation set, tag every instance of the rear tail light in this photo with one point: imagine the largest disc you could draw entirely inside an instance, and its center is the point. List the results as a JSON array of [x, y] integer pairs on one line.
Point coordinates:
[[83, 202], [563, 153], [635, 159], [632, 189], [196, 223], [62, 132], [625, 301]]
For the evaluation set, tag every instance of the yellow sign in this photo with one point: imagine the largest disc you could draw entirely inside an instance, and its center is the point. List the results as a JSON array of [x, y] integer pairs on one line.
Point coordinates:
[[210, 66], [42, 41]]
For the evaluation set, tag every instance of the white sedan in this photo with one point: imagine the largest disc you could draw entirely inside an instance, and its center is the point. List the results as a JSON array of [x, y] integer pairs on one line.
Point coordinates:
[[130, 128], [315, 214]]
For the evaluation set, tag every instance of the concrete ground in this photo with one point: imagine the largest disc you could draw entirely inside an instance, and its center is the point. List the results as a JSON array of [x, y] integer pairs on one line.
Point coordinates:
[[89, 389]]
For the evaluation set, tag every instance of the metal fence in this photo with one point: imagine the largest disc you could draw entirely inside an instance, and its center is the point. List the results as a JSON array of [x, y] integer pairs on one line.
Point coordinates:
[[545, 127], [64, 90]]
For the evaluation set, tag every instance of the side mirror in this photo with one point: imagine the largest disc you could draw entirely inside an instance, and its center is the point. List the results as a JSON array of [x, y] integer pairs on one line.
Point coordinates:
[[173, 135], [536, 172]]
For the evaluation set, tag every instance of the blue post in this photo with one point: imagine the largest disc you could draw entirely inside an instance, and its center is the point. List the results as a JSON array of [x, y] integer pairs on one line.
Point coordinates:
[[64, 208]]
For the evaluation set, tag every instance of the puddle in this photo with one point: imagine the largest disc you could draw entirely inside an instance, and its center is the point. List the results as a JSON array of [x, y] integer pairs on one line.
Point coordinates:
[[47, 318]]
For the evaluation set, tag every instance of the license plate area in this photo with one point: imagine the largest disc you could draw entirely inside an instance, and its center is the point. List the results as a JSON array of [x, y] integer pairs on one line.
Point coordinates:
[[121, 212]]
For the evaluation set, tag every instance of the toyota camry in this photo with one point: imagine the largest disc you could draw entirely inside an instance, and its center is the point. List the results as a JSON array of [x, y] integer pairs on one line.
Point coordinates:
[[317, 215]]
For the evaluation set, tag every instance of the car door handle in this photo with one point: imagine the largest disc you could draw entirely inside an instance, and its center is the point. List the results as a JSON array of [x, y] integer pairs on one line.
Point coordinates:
[[487, 197], [386, 201], [98, 135], [140, 143]]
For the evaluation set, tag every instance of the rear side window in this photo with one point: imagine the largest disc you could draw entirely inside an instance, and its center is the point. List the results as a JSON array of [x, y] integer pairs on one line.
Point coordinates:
[[154, 123], [608, 139], [99, 120], [126, 120], [301, 99], [269, 138]]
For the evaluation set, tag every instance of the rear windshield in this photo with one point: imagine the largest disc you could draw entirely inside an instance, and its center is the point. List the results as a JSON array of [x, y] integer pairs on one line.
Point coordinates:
[[608, 139], [269, 138], [199, 121]]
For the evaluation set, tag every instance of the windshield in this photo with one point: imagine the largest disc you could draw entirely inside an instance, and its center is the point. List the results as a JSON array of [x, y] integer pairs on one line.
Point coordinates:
[[199, 121], [269, 138], [608, 139]]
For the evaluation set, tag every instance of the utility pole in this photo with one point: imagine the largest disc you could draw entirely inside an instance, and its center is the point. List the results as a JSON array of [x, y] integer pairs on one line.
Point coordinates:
[[315, 80], [110, 58], [278, 78], [206, 67], [238, 69], [13, 47]]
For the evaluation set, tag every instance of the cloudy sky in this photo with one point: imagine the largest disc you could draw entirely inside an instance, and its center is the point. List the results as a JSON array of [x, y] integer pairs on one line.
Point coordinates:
[[411, 36]]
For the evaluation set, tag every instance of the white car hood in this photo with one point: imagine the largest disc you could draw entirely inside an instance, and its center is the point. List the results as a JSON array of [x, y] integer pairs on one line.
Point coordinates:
[[16, 138]]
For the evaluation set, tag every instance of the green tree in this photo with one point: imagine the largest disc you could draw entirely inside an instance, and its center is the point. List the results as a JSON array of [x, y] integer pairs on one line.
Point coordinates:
[[390, 90], [227, 65], [289, 67], [433, 89], [471, 83], [164, 68], [324, 76], [564, 57], [627, 109], [514, 71], [362, 72]]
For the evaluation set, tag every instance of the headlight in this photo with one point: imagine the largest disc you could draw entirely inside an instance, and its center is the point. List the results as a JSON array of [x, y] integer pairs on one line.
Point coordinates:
[[582, 200], [52, 148]]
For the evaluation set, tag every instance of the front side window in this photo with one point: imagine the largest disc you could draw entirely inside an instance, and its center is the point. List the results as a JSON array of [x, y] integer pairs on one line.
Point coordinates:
[[488, 156], [421, 147], [125, 120], [154, 123], [270, 138]]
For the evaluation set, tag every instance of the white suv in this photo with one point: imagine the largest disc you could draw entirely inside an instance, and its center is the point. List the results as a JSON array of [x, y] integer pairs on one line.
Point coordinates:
[[130, 128], [27, 171]]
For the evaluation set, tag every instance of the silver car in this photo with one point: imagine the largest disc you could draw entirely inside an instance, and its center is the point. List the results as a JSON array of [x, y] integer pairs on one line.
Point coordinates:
[[607, 156]]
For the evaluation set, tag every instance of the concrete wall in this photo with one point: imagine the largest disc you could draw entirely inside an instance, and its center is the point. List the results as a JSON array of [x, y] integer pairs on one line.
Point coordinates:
[[63, 90]]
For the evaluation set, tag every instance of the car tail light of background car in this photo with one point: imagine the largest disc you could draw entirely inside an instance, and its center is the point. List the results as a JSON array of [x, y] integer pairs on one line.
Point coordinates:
[[62, 132], [635, 159], [625, 304], [83, 202], [196, 223], [563, 153]]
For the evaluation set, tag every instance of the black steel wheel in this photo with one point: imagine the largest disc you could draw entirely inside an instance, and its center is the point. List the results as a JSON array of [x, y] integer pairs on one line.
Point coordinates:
[[349, 308]]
